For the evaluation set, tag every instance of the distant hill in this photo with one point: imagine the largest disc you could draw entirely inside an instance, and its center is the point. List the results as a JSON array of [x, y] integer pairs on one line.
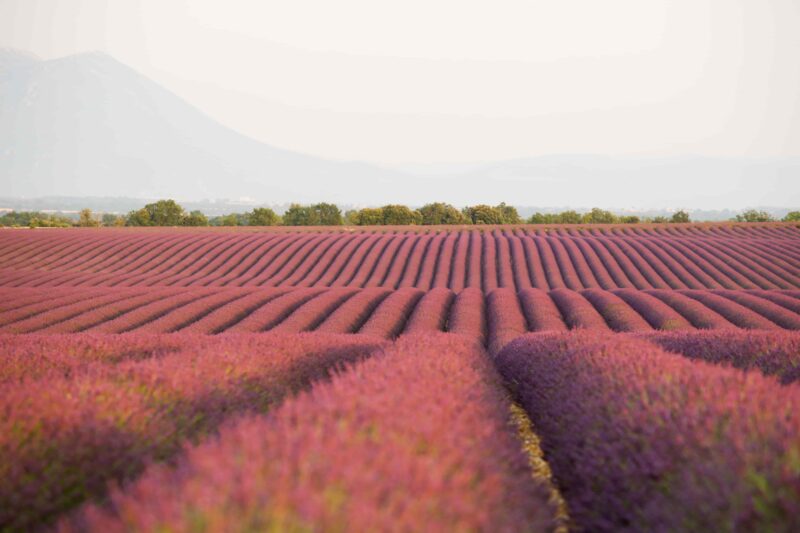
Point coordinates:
[[87, 125], [10, 58]]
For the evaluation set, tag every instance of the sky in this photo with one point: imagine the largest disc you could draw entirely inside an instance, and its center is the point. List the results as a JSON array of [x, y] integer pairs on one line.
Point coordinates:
[[423, 81]]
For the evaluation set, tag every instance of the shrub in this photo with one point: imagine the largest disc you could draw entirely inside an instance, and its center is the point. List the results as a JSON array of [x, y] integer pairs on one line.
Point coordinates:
[[86, 219], [439, 213], [752, 215], [62, 439], [263, 216], [322, 214], [160, 213], [399, 215], [414, 439], [483, 214], [680, 217], [644, 440]]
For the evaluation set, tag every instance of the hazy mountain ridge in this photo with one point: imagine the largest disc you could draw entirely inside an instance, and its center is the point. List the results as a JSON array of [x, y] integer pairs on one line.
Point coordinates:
[[12, 58], [89, 126]]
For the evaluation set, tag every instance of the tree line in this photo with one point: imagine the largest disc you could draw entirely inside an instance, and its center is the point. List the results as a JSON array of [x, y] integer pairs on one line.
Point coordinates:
[[170, 213]]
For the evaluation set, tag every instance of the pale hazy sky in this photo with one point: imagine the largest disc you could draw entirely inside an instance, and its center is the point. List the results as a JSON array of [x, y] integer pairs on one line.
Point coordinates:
[[426, 81]]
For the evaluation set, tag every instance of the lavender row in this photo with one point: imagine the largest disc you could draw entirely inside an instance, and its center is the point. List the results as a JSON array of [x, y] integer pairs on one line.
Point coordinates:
[[79, 410], [514, 259], [640, 439], [416, 438]]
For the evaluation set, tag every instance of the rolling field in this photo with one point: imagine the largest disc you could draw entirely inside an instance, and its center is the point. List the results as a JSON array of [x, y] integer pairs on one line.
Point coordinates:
[[506, 379]]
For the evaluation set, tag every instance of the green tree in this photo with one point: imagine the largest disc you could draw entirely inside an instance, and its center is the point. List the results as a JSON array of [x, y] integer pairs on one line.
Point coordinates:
[[398, 215], [86, 219], [231, 219], [439, 213], [792, 216], [195, 218], [40, 220], [751, 215], [33, 219], [329, 214], [110, 219], [483, 214], [599, 216], [542, 218], [660, 220], [629, 219], [369, 216], [263, 216], [140, 217], [322, 214], [299, 215], [680, 216], [569, 217], [508, 214], [160, 213], [351, 217]]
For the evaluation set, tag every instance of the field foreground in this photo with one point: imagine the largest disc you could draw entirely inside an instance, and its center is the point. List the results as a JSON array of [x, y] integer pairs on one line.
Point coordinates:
[[500, 380]]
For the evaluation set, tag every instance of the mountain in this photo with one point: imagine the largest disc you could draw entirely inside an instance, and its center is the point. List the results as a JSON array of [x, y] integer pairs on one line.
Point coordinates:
[[11, 58], [87, 125]]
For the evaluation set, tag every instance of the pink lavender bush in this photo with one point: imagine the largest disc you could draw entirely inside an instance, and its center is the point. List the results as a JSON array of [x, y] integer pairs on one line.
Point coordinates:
[[351, 315], [430, 314], [577, 311], [657, 313], [540, 311], [468, 315], [643, 440], [734, 312], [616, 312], [62, 437], [772, 352], [390, 316], [416, 439], [505, 320]]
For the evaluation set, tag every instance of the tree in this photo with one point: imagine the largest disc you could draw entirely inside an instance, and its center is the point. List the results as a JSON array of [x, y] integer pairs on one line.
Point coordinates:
[[86, 219], [140, 217], [231, 219], [321, 214], [483, 214], [351, 217], [34, 219], [660, 220], [629, 219], [508, 214], [680, 217], [792, 216], [48, 221], [751, 215], [263, 216], [398, 215], [329, 214], [160, 213], [542, 218], [439, 213], [569, 217], [110, 219], [599, 216], [298, 215], [369, 216], [195, 218]]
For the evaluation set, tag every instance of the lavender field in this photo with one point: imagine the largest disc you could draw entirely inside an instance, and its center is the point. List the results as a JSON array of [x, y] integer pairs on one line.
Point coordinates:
[[638, 378]]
